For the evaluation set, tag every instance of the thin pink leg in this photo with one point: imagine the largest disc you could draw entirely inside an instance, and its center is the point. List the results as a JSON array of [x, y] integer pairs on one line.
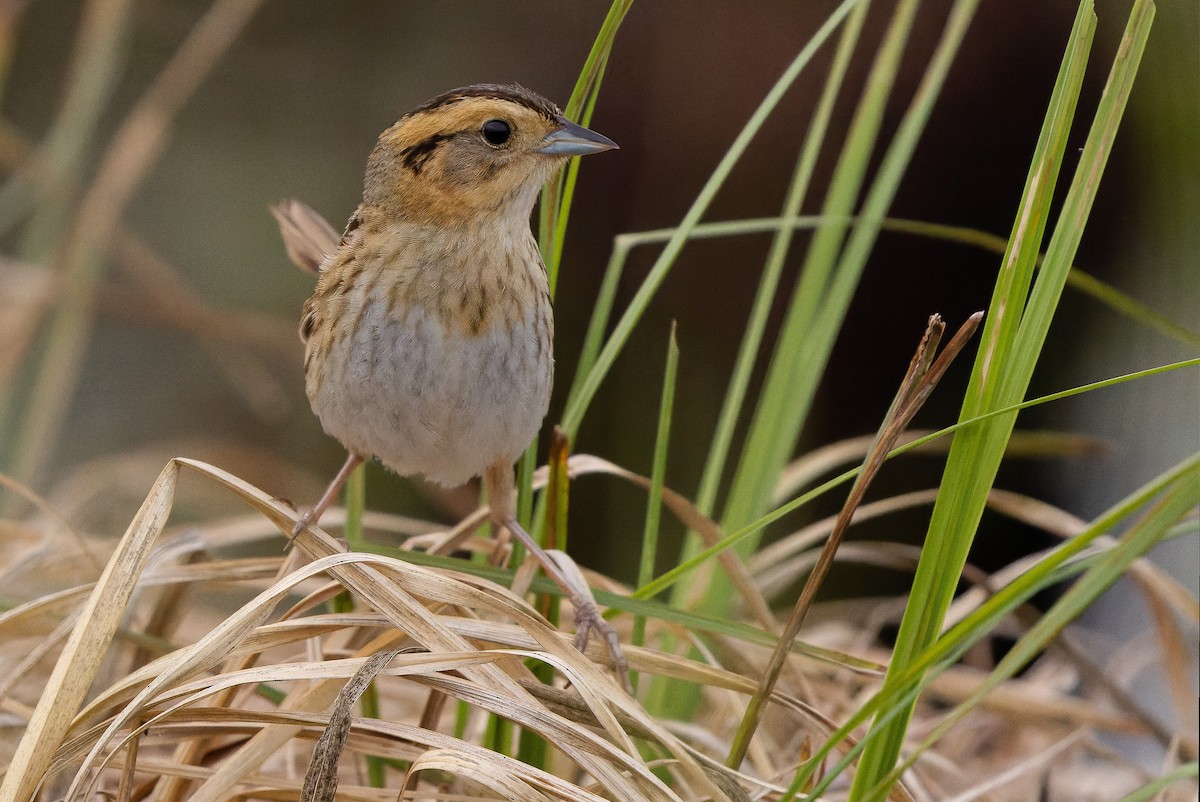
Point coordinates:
[[313, 516], [498, 479]]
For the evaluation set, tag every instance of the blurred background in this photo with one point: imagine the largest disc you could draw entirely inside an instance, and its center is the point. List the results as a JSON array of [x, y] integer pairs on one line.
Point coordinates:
[[184, 305]]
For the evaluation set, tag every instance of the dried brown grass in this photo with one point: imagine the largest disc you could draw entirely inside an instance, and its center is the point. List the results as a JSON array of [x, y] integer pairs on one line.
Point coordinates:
[[183, 672]]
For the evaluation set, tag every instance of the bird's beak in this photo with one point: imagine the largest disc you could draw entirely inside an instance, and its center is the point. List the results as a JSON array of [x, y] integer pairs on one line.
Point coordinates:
[[575, 140]]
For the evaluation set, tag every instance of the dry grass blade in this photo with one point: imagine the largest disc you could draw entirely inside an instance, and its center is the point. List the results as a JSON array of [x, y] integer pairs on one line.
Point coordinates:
[[922, 376], [153, 293], [149, 291], [777, 565], [1168, 589], [504, 786], [144, 132], [807, 468], [1033, 763], [26, 292], [405, 596], [85, 649], [184, 663], [1032, 700], [46, 645], [79, 545], [1177, 665], [321, 780], [30, 617], [691, 516], [198, 694]]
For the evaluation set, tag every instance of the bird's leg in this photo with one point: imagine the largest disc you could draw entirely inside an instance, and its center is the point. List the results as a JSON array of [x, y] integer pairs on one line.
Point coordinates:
[[498, 480], [313, 515]]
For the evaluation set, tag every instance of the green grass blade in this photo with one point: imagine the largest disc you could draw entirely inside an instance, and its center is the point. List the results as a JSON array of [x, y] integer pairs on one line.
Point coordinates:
[[965, 485], [355, 499], [578, 403], [739, 382], [1078, 205], [828, 282], [1143, 535], [824, 293], [1152, 789], [1077, 279], [674, 575], [1007, 356], [665, 697], [782, 406], [570, 178], [657, 480], [555, 208], [606, 299], [889, 703]]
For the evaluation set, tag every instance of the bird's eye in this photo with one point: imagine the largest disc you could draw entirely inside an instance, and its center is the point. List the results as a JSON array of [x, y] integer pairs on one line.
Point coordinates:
[[496, 132]]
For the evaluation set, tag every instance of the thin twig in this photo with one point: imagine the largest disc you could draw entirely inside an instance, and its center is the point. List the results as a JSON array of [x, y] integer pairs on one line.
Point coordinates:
[[922, 376]]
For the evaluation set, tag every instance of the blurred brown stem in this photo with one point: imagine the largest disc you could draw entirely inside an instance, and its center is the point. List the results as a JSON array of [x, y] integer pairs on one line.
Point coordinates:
[[134, 149]]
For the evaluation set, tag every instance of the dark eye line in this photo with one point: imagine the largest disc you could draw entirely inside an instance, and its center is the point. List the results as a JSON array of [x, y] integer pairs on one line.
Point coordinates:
[[415, 156]]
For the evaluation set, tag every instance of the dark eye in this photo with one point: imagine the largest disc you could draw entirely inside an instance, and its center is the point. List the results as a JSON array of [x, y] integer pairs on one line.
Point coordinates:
[[496, 132]]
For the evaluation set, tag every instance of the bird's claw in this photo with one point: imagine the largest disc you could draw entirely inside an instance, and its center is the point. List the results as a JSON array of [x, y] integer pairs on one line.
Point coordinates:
[[302, 523], [588, 618]]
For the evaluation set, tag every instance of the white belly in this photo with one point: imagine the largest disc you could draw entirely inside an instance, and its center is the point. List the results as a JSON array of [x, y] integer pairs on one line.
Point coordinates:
[[427, 399]]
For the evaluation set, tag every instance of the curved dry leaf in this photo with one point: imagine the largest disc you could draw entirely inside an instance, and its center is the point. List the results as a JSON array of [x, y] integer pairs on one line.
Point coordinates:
[[84, 652], [591, 724], [973, 597], [773, 564], [844, 454], [1036, 513], [392, 587], [321, 779], [501, 782], [206, 652], [28, 660], [61, 540], [1157, 581], [687, 512], [806, 469], [32, 617]]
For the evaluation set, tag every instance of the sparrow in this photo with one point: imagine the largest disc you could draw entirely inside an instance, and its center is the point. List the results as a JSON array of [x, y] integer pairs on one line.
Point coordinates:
[[429, 337]]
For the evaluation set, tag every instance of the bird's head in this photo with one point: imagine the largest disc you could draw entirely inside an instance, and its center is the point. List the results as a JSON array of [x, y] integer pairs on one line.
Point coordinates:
[[473, 152]]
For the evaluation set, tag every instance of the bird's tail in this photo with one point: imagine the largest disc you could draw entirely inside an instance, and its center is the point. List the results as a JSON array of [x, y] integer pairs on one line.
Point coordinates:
[[307, 236]]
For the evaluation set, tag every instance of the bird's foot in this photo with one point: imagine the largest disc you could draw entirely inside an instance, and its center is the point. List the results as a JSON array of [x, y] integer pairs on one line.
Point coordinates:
[[587, 615], [588, 618], [311, 516], [306, 519]]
